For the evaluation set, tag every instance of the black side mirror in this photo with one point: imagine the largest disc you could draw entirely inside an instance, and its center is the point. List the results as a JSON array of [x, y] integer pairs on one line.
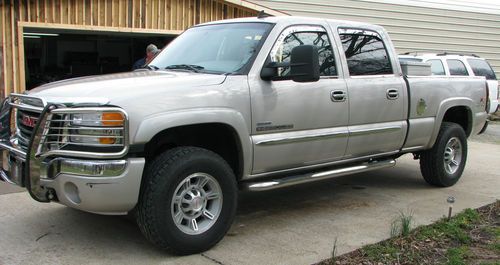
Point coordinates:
[[304, 63]]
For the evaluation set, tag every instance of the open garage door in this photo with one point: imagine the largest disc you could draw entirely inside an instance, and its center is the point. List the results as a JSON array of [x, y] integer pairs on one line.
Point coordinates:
[[57, 54]]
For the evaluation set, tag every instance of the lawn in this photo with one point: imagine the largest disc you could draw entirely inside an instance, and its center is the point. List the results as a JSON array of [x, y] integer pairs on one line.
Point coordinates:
[[470, 237]]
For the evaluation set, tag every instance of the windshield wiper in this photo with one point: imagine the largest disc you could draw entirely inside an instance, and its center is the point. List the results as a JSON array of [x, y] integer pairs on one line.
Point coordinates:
[[151, 67], [190, 67]]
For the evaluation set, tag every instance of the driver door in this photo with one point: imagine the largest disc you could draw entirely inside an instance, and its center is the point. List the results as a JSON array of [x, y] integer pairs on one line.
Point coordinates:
[[295, 124]]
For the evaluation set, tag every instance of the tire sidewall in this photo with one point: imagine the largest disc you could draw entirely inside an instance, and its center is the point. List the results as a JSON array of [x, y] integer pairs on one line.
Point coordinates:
[[444, 177], [198, 162]]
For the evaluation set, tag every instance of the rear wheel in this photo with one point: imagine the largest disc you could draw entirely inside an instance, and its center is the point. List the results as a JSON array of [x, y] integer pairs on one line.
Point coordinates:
[[444, 164], [188, 200]]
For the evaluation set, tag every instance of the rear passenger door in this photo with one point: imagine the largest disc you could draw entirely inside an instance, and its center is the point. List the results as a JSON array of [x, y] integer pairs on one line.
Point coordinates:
[[376, 95]]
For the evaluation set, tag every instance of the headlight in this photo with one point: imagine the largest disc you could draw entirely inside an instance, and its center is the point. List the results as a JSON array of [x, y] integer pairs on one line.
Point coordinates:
[[101, 128], [97, 119]]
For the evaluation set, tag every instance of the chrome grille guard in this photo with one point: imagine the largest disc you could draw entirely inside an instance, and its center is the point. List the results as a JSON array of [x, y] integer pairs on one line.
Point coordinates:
[[38, 151]]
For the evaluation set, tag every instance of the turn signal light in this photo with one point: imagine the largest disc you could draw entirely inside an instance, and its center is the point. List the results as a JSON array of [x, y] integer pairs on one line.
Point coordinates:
[[112, 119]]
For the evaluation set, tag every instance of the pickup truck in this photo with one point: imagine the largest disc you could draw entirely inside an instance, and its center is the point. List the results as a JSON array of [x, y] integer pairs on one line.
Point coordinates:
[[246, 104]]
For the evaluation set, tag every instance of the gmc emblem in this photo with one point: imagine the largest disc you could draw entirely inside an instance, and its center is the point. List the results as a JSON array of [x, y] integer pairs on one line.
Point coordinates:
[[28, 121]]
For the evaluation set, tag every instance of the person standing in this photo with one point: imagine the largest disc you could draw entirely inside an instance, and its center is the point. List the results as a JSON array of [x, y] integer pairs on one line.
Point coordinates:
[[151, 52]]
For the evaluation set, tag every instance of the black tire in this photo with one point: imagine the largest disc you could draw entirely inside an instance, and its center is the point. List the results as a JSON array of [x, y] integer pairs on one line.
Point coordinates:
[[432, 165], [162, 177]]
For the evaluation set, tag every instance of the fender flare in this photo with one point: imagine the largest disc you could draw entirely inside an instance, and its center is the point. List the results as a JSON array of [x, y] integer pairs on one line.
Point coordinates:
[[152, 125], [443, 108]]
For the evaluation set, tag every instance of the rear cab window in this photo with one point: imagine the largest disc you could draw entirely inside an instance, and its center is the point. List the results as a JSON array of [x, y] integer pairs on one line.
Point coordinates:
[[456, 67], [482, 68], [365, 52]]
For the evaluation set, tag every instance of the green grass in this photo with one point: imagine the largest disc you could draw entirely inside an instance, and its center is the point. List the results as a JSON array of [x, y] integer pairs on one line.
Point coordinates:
[[471, 235], [454, 229], [457, 256], [402, 225]]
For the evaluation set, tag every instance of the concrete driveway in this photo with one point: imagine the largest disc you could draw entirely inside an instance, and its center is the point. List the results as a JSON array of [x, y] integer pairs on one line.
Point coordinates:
[[292, 226]]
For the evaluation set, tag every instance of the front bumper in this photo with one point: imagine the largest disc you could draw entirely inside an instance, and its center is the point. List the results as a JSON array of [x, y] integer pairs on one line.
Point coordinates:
[[99, 186], [99, 182]]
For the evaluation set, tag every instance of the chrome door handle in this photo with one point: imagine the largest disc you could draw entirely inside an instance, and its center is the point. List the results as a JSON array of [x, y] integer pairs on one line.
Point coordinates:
[[392, 93], [338, 96]]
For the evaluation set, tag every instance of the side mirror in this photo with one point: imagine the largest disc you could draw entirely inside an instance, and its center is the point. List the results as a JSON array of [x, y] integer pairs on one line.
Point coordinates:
[[304, 64]]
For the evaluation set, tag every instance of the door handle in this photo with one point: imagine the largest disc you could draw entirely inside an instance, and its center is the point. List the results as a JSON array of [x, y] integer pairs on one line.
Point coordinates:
[[392, 93], [338, 96]]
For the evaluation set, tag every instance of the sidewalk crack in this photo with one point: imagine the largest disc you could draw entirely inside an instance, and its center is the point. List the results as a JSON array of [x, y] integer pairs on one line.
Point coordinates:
[[212, 259]]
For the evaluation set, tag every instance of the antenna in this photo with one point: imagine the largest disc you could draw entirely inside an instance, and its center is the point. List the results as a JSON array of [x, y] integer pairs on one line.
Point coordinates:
[[263, 14]]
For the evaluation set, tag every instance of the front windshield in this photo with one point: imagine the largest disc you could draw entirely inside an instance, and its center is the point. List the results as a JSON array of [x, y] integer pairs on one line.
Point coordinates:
[[220, 48]]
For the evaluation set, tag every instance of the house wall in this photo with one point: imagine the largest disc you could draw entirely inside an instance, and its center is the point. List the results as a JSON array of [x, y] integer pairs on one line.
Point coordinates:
[[425, 26], [141, 16]]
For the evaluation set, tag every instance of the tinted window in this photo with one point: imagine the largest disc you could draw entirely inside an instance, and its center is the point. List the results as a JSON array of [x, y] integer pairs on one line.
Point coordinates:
[[365, 53], [482, 68], [456, 67], [294, 39], [437, 67]]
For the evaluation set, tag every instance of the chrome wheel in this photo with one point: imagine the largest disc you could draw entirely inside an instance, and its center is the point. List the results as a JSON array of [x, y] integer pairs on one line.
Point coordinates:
[[196, 203], [452, 155]]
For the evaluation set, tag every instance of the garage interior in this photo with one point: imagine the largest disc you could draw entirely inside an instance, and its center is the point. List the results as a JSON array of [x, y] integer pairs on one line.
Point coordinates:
[[52, 55]]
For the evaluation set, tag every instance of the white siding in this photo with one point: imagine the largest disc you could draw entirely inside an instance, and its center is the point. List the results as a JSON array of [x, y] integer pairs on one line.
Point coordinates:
[[419, 25]]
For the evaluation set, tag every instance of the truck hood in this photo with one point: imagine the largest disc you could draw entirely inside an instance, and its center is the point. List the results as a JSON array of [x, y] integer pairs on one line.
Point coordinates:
[[105, 89]]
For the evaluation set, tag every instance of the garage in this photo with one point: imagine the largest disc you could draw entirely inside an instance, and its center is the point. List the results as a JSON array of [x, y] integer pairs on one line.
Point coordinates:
[[57, 54], [44, 41]]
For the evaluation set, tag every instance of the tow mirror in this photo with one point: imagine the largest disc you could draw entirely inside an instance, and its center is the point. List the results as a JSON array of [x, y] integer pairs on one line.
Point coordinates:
[[304, 66]]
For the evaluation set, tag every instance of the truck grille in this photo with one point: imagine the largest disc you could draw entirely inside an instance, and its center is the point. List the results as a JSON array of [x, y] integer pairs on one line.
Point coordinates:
[[25, 113], [25, 123]]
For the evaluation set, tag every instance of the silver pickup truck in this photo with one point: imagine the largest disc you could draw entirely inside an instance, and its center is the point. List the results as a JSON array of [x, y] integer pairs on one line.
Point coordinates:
[[246, 104]]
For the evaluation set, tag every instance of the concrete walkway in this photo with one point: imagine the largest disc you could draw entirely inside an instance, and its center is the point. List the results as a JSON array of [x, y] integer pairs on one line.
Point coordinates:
[[292, 226]]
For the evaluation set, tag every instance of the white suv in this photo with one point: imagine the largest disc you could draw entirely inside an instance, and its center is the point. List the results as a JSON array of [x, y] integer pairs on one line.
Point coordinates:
[[460, 65]]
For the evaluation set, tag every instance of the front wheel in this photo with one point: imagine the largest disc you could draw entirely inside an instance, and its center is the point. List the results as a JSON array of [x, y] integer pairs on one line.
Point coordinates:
[[188, 200], [444, 164]]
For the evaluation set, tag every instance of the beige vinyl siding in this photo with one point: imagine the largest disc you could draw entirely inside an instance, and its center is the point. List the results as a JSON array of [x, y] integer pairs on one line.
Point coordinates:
[[431, 27]]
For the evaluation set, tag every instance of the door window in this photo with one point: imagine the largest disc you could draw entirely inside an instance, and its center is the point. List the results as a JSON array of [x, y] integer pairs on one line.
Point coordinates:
[[365, 52], [437, 67], [456, 67], [309, 36]]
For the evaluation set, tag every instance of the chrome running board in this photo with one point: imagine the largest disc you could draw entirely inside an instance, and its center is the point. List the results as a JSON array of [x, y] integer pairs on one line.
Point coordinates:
[[271, 184]]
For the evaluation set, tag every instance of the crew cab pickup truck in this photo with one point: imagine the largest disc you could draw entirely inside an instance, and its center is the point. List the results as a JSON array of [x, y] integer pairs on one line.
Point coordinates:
[[246, 104]]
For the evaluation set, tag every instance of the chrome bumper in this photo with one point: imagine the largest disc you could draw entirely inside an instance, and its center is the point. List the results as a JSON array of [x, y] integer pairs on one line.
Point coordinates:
[[97, 186], [95, 189]]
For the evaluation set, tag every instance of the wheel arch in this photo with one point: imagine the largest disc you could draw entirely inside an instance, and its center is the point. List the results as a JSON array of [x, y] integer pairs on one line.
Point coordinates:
[[222, 131], [456, 110]]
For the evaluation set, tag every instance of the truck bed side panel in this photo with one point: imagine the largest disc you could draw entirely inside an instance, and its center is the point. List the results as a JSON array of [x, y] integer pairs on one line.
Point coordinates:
[[431, 97]]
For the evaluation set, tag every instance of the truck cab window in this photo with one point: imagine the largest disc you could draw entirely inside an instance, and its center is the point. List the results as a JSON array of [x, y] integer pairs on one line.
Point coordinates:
[[437, 67], [283, 49], [456, 67], [365, 52]]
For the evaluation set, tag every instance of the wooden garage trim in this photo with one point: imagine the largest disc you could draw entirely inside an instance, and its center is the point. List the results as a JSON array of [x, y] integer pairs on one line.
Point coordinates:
[[96, 28]]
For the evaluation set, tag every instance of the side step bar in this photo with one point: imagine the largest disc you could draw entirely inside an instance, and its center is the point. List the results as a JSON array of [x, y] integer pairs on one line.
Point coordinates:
[[314, 176]]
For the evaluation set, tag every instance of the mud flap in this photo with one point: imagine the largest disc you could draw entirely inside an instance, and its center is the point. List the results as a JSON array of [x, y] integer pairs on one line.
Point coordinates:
[[33, 159]]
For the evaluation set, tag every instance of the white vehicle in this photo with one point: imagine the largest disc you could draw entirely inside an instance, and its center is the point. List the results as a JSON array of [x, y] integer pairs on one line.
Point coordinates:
[[460, 65]]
